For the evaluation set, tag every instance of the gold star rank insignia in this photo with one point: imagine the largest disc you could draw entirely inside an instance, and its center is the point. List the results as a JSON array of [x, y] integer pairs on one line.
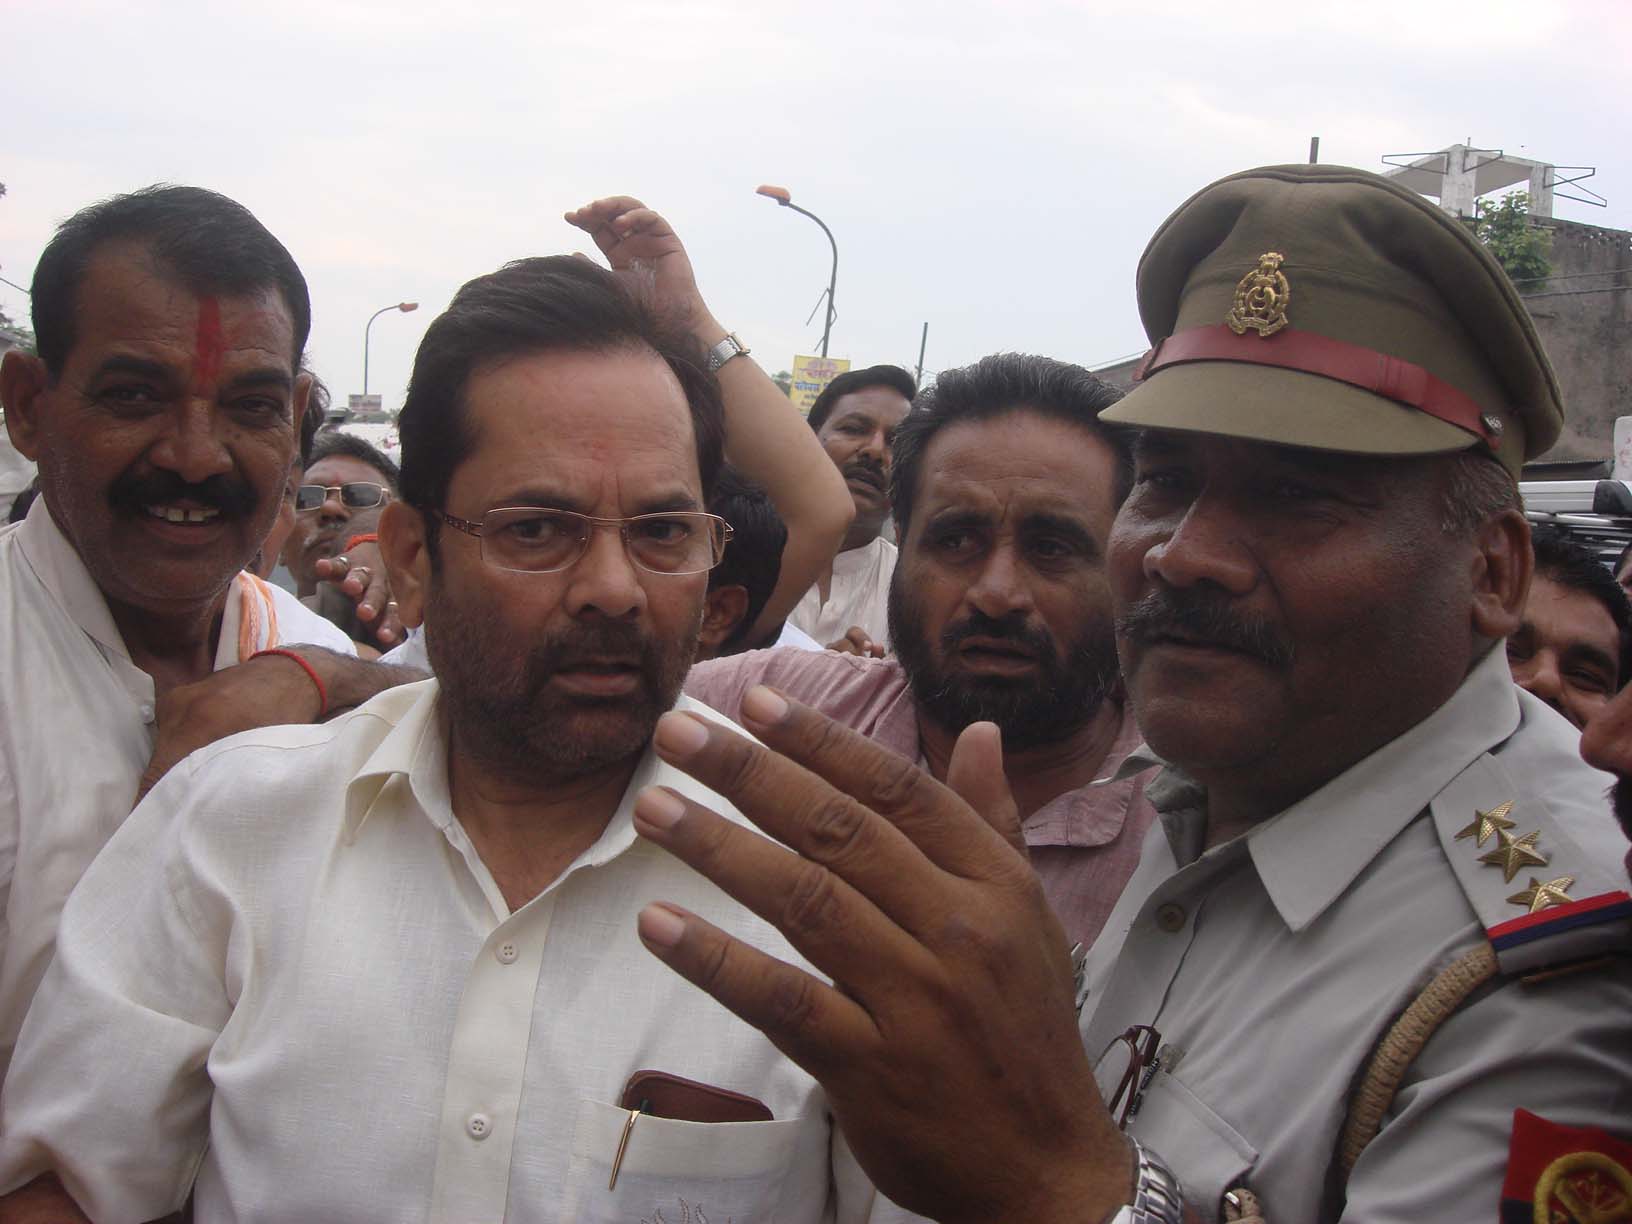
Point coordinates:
[[1539, 896], [1486, 824], [1512, 854]]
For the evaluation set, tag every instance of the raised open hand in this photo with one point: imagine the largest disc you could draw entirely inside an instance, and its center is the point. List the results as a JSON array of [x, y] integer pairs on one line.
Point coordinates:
[[948, 1042]]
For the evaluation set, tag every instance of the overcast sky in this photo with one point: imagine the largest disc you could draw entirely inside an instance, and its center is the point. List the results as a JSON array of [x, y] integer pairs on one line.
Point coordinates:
[[993, 169]]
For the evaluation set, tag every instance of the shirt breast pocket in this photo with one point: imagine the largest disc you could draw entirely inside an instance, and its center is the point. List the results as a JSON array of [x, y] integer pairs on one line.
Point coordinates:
[[1205, 1152], [696, 1172]]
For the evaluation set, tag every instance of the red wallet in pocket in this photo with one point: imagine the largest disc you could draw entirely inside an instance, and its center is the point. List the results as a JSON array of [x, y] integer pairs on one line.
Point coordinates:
[[668, 1096]]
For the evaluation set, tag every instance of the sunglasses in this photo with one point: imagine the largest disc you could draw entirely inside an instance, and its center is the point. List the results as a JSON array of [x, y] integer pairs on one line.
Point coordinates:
[[358, 495]]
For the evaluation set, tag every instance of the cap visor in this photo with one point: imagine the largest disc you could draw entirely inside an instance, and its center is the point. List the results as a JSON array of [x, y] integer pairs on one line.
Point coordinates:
[[1283, 407]]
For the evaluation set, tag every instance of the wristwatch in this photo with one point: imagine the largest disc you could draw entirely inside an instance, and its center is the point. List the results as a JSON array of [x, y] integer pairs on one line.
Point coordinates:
[[725, 350], [1156, 1195]]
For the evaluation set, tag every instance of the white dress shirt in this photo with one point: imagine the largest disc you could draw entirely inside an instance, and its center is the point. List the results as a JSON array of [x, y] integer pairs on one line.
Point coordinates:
[[76, 731], [291, 975], [858, 595]]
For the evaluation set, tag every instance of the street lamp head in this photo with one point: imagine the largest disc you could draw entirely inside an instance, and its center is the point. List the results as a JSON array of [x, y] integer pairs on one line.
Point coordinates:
[[780, 194], [405, 307]]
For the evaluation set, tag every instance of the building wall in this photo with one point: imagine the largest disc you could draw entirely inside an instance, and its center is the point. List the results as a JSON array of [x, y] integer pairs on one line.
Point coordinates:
[[1584, 316]]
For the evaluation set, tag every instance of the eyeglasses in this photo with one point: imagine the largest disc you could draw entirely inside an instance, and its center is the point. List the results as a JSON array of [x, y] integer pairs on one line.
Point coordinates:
[[1125, 1069], [534, 540], [358, 495]]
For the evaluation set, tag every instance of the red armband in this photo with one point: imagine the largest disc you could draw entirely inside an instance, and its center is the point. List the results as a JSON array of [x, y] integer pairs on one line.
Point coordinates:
[[322, 693]]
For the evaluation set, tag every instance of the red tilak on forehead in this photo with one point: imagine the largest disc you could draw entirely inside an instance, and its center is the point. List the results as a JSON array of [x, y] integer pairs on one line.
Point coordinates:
[[209, 349]]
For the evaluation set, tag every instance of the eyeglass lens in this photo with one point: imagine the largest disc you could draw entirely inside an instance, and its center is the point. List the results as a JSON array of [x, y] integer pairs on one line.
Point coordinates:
[[356, 495], [538, 541]]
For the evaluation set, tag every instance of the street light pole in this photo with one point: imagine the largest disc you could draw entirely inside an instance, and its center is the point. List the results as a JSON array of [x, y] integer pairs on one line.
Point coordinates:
[[783, 197], [405, 307]]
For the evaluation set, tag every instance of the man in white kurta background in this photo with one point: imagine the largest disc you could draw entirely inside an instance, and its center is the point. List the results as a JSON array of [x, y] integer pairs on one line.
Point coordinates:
[[855, 419]]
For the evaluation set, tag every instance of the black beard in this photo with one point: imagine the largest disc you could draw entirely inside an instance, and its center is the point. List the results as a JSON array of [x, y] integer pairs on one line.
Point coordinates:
[[501, 709], [1031, 713]]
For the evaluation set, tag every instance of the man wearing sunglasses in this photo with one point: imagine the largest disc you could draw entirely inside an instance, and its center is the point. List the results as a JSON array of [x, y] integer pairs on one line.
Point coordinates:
[[346, 478], [388, 965], [339, 500]]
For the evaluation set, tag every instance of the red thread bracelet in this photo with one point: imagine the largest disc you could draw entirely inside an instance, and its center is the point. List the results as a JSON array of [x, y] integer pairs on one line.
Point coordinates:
[[322, 693], [367, 537]]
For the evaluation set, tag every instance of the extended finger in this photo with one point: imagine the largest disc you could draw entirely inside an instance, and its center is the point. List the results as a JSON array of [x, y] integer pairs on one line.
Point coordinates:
[[942, 824], [374, 595], [808, 1020], [596, 219], [975, 772], [825, 915], [389, 631], [777, 791]]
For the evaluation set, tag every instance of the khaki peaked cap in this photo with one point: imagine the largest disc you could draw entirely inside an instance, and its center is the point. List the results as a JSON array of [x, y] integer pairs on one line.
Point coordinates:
[[1389, 298]]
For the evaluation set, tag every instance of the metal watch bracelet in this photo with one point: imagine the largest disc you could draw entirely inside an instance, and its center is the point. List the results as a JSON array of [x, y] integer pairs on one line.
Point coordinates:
[[1156, 1195], [725, 350]]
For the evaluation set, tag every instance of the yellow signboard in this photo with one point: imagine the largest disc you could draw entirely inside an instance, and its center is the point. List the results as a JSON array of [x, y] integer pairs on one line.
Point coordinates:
[[810, 375]]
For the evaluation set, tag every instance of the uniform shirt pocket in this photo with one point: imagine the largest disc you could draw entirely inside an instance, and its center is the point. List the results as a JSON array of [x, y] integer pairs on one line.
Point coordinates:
[[1205, 1152], [696, 1172]]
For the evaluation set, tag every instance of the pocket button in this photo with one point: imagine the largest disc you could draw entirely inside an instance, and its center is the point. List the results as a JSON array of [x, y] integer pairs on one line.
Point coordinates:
[[1170, 916]]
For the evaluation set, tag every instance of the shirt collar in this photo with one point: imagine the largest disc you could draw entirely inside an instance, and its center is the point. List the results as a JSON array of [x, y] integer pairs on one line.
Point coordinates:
[[1308, 855], [58, 565], [62, 571], [414, 753], [1093, 814]]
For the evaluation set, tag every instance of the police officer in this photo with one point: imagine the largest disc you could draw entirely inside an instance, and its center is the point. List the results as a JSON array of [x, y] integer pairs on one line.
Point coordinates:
[[1366, 969]]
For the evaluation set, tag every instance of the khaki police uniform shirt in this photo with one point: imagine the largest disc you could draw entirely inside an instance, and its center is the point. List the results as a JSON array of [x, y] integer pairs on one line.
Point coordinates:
[[1273, 963]]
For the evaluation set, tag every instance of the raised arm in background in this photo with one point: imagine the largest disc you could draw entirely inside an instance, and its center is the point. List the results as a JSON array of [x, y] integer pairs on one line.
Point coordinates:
[[766, 438]]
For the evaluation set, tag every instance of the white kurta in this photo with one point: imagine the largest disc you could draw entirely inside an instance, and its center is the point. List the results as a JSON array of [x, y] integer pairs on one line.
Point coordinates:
[[76, 731], [858, 595], [291, 974]]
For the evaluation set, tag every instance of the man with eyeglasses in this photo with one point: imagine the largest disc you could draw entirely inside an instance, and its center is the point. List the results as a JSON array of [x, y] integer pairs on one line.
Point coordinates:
[[387, 968], [346, 479], [338, 505], [1372, 965]]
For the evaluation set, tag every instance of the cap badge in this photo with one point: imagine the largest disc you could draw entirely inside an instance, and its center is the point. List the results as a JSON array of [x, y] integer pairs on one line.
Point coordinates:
[[1260, 298]]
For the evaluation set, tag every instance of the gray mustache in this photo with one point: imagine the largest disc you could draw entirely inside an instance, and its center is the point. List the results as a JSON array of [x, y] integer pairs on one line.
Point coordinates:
[[1205, 618]]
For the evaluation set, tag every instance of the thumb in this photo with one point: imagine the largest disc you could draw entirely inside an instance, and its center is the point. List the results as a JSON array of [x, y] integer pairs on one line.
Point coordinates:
[[975, 773]]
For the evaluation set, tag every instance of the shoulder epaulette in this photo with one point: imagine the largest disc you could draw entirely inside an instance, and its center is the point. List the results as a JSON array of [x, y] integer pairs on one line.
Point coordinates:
[[1546, 903]]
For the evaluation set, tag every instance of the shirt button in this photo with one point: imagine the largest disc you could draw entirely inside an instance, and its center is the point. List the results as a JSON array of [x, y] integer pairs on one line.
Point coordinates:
[[478, 1126], [147, 713], [1170, 916], [506, 953]]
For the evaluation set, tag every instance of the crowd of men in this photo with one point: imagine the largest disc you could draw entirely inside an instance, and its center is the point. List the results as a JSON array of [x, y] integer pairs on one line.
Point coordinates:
[[1156, 807]]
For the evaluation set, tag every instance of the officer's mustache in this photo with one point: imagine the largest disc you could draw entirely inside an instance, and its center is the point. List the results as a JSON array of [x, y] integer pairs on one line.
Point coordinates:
[[132, 493], [1206, 619]]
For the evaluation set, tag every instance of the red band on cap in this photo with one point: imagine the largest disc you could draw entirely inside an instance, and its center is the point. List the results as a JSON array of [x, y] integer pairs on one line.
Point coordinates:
[[1290, 349]]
